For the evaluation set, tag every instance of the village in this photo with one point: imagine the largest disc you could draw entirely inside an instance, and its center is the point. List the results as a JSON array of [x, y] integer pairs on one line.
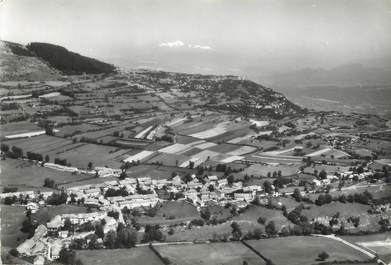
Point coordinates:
[[110, 200]]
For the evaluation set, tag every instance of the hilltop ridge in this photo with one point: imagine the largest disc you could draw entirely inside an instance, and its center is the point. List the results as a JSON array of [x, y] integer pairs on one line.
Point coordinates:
[[43, 61]]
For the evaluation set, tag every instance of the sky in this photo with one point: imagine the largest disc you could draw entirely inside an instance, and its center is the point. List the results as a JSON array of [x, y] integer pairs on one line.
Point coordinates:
[[207, 35]]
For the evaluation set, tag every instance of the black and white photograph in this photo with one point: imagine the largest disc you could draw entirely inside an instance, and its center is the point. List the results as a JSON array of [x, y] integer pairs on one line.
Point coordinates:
[[195, 132]]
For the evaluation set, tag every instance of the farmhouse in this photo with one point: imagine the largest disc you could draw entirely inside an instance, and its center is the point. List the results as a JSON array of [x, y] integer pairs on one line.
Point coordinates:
[[33, 245], [248, 197]]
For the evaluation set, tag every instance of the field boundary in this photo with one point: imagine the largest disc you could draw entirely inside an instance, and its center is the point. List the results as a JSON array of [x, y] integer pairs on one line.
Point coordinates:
[[161, 258], [354, 246], [255, 251]]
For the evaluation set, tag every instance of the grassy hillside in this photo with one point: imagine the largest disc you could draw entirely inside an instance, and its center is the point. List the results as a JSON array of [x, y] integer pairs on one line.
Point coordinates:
[[18, 63]]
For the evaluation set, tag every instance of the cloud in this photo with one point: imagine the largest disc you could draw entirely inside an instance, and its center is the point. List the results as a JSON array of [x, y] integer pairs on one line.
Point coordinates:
[[179, 43], [176, 43], [202, 47]]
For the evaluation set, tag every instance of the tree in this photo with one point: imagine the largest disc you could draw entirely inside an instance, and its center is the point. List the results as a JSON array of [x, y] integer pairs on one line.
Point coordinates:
[[270, 228], [4, 148], [152, 233], [257, 233], [323, 256], [67, 256], [10, 200], [89, 165], [267, 186], [68, 224], [236, 231], [171, 231], [99, 231], [297, 195], [14, 252], [261, 220], [28, 227], [230, 180], [47, 158], [205, 214], [123, 175], [113, 214], [49, 183], [49, 129], [322, 174], [320, 200], [18, 152], [110, 239]]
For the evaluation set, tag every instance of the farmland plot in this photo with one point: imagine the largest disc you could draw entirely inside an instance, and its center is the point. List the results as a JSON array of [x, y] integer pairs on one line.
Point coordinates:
[[231, 159], [205, 145], [18, 127], [242, 150], [68, 130], [134, 256], [41, 144], [377, 243], [190, 152], [99, 155], [168, 159], [210, 254], [195, 160], [252, 213], [25, 175], [175, 148], [224, 148], [302, 250], [262, 170], [143, 133], [139, 156], [217, 130]]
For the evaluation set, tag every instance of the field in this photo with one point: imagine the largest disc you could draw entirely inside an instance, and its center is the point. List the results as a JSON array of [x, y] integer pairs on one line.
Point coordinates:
[[346, 210], [45, 214], [210, 254], [205, 232], [134, 256], [79, 156], [252, 213], [209, 133], [42, 144], [231, 135], [377, 243], [168, 159], [175, 148], [11, 222], [156, 172], [262, 170], [139, 156], [70, 130], [194, 127], [25, 175], [242, 150], [224, 148], [301, 250], [18, 127], [178, 209]]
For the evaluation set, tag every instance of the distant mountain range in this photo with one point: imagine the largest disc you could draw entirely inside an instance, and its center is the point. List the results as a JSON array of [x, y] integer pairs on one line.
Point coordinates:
[[44, 61], [345, 75]]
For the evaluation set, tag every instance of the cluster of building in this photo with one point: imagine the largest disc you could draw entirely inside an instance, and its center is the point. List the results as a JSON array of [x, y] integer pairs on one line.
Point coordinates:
[[137, 193]]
